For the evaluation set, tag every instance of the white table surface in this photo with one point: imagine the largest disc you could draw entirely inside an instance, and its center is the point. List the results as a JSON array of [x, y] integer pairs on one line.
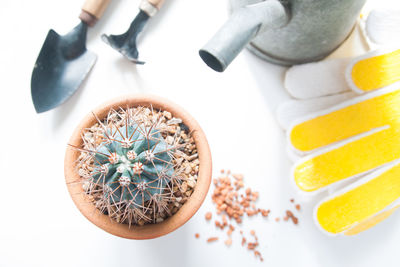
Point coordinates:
[[40, 226]]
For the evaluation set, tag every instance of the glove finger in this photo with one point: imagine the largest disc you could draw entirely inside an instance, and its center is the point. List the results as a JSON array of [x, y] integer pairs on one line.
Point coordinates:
[[361, 205], [383, 25], [373, 71], [318, 171], [293, 110], [348, 119], [317, 79]]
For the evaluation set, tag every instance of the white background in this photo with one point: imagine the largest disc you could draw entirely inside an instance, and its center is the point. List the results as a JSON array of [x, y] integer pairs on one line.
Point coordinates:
[[39, 224]]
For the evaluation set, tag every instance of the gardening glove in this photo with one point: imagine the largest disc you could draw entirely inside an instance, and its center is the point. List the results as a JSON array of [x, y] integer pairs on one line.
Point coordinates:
[[345, 136]]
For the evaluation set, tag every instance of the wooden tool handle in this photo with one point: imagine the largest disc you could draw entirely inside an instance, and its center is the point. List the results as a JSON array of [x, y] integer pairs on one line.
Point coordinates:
[[151, 7], [92, 11], [156, 3]]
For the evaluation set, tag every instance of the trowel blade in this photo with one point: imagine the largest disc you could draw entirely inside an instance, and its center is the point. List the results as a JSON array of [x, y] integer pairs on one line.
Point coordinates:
[[56, 77]]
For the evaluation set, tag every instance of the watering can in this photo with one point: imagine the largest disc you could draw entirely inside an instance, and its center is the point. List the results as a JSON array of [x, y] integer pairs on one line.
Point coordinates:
[[284, 32]]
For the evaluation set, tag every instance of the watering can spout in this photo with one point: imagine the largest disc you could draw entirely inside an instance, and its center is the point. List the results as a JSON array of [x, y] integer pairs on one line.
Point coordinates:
[[243, 25]]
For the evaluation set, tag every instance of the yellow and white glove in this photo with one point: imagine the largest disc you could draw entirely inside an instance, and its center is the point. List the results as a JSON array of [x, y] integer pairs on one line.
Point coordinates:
[[350, 138]]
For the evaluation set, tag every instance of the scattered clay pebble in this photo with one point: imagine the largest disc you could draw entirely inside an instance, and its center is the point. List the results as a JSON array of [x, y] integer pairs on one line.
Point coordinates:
[[228, 242], [252, 245], [212, 239], [230, 230], [258, 254], [224, 220], [230, 201], [290, 215], [265, 213], [197, 235], [238, 176], [233, 201]]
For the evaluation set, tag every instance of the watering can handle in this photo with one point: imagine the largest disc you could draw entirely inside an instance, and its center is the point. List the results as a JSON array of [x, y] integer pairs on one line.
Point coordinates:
[[92, 10]]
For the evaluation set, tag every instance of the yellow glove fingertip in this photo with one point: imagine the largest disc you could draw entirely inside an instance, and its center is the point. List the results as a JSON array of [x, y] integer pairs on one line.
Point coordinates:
[[374, 70], [304, 178], [361, 205], [365, 225]]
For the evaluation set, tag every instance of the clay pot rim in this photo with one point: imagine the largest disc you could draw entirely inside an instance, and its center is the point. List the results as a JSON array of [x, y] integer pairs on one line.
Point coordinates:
[[148, 231]]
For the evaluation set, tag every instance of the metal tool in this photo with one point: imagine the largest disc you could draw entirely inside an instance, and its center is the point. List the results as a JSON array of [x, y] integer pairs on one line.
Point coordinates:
[[284, 32], [126, 43], [64, 62]]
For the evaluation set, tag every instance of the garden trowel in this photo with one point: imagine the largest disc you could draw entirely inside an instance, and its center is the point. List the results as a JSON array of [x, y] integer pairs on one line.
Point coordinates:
[[126, 43], [64, 62]]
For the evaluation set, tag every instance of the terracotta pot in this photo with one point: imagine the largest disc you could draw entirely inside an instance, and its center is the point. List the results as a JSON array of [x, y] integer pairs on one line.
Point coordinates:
[[148, 231]]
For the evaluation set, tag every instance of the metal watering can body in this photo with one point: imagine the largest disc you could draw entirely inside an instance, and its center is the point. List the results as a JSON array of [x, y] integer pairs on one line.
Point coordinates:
[[284, 32]]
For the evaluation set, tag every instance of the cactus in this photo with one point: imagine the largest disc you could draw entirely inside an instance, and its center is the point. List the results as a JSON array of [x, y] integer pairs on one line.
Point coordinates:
[[133, 172]]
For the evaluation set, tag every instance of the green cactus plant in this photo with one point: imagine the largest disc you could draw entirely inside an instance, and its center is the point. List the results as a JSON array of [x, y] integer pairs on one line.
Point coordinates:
[[133, 174], [133, 164]]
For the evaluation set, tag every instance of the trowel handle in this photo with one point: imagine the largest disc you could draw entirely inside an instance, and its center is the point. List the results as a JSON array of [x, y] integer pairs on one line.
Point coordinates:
[[151, 7], [92, 11]]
